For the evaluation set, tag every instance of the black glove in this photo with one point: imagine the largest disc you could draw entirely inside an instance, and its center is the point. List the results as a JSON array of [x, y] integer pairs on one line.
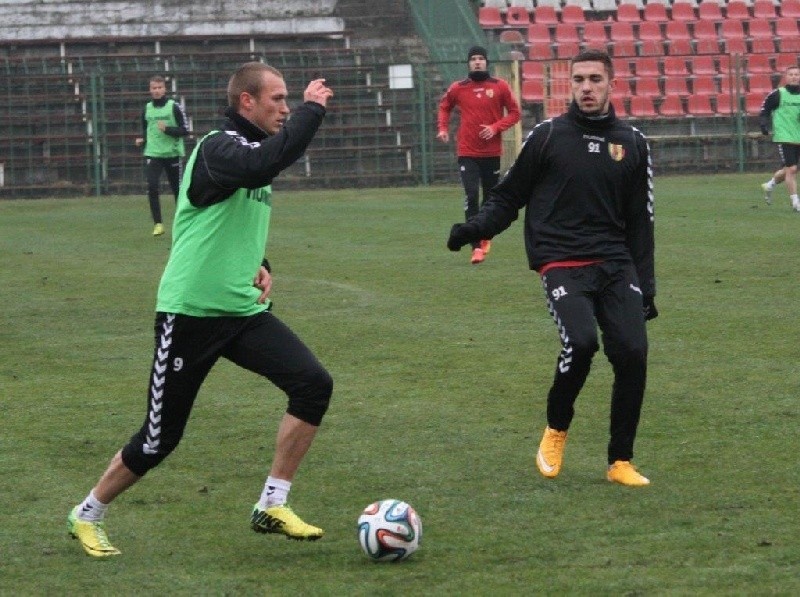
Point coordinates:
[[462, 234], [764, 130], [650, 311]]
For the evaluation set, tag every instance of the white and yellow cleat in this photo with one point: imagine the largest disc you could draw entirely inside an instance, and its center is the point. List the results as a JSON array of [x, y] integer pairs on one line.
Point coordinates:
[[624, 473], [551, 452], [158, 229], [283, 520], [92, 536]]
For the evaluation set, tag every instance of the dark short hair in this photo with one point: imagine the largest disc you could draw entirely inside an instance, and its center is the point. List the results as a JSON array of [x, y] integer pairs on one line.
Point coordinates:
[[247, 78], [594, 56], [157, 79]]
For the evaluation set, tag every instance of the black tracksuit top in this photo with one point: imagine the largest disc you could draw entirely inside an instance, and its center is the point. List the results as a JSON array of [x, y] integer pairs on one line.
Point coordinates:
[[586, 186]]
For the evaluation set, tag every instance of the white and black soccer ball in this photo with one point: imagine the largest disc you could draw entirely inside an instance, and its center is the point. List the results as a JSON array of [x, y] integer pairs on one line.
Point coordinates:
[[389, 530]]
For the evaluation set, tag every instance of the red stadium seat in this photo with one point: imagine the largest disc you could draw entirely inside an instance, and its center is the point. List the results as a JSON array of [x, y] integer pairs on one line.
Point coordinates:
[[790, 8], [539, 51], [726, 104], [647, 87], [539, 33], [764, 9], [628, 13], [647, 68], [790, 44], [517, 16], [621, 32], [732, 29], [671, 107], [532, 70], [735, 46], [699, 105], [567, 32], [655, 12], [676, 86], [784, 61], [489, 17], [705, 85], [786, 27], [677, 30], [762, 45], [753, 102], [683, 12], [649, 31], [594, 34], [545, 14], [760, 84], [532, 90], [624, 48], [707, 46], [567, 49], [758, 64], [703, 65], [572, 13], [642, 107], [705, 30], [675, 66], [759, 29], [737, 9], [680, 47], [651, 48], [709, 10]]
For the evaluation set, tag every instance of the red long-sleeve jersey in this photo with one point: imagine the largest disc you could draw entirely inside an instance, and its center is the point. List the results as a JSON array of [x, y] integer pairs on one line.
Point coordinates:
[[479, 102]]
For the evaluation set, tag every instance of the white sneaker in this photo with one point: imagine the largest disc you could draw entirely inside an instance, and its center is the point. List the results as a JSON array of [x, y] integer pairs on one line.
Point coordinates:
[[795, 205], [767, 193]]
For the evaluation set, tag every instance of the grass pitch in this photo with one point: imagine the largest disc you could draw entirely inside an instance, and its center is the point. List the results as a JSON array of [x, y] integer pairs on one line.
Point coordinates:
[[441, 370]]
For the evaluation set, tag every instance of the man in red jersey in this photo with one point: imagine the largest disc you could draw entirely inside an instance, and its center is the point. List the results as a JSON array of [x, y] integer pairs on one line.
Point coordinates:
[[487, 108]]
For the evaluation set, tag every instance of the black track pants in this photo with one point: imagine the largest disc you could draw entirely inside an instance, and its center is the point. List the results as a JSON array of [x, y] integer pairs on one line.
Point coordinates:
[[153, 168], [185, 350], [581, 299], [478, 176]]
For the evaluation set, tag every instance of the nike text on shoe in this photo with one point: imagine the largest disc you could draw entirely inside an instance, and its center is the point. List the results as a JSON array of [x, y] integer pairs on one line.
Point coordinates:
[[624, 473], [767, 193], [282, 520], [92, 536], [551, 452], [486, 246], [477, 256]]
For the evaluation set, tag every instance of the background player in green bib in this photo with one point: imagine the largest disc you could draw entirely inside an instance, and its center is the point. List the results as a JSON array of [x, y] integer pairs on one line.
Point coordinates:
[[165, 125], [213, 302], [782, 108]]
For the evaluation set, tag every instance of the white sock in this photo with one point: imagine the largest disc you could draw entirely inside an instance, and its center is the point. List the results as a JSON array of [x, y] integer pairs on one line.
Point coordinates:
[[92, 509], [275, 493], [771, 183]]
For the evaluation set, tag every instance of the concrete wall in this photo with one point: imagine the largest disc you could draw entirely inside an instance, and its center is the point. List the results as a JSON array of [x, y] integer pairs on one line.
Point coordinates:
[[76, 19]]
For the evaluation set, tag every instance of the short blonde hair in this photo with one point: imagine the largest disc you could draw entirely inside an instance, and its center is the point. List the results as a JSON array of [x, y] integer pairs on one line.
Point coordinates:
[[248, 78]]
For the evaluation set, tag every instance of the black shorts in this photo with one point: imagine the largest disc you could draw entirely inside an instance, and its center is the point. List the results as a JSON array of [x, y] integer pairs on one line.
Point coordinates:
[[790, 154]]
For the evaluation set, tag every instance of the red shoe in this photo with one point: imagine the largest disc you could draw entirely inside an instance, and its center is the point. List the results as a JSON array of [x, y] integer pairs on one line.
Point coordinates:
[[486, 246], [477, 256]]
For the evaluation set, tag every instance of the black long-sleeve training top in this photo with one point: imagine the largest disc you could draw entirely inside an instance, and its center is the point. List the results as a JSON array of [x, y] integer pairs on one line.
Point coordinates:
[[586, 186]]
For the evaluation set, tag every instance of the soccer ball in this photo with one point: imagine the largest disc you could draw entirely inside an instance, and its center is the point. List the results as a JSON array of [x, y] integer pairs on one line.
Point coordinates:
[[389, 530]]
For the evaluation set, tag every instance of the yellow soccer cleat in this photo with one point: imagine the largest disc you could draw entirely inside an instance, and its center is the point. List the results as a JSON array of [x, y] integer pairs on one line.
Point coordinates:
[[282, 520], [624, 473], [551, 452], [158, 229], [92, 536]]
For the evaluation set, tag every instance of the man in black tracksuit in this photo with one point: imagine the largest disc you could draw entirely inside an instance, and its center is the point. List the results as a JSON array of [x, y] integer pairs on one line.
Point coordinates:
[[585, 181]]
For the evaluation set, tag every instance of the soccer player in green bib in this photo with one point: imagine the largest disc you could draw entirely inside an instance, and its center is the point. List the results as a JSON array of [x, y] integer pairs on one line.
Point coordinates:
[[213, 302], [782, 108], [165, 125]]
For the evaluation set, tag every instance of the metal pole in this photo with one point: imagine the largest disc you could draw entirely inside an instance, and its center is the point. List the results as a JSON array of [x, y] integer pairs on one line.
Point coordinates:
[[95, 136], [423, 125]]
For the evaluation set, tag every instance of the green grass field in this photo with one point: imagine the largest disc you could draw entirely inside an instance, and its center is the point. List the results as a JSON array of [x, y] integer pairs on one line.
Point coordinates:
[[441, 371]]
